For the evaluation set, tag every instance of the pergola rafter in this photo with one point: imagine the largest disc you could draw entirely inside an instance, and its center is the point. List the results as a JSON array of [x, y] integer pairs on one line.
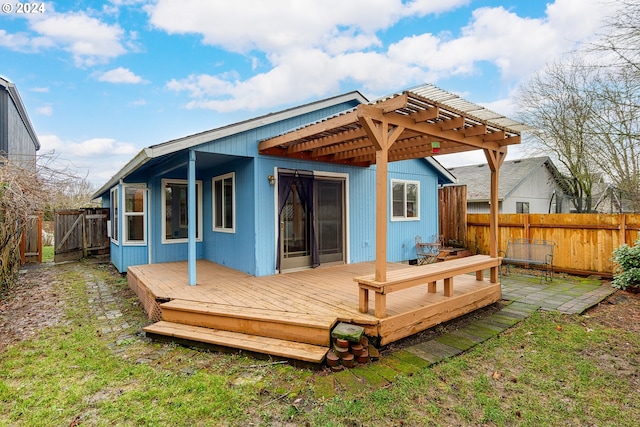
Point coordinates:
[[402, 127]]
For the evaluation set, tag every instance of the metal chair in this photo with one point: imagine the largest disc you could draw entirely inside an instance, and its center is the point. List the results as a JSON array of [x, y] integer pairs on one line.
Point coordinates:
[[427, 252]]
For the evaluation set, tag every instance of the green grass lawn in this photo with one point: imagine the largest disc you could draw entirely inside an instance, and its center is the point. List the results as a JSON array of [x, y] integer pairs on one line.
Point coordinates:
[[550, 369], [47, 253]]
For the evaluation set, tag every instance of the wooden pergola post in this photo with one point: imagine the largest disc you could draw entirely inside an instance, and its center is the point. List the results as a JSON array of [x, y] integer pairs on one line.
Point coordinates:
[[495, 159], [382, 139]]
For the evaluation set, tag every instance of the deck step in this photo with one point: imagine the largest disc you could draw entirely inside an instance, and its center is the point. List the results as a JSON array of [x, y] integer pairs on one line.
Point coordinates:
[[256, 344], [290, 326]]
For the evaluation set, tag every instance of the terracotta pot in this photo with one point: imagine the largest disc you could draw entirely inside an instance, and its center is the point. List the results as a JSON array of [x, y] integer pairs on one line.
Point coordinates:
[[357, 349], [342, 343], [348, 360], [332, 358], [364, 357], [340, 351]]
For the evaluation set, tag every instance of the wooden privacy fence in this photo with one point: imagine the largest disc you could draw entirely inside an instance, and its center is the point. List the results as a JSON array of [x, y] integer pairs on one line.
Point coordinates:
[[585, 242], [452, 211], [80, 232]]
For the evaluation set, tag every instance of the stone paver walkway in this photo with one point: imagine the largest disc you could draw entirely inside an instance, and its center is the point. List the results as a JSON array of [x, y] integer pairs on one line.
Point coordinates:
[[106, 308]]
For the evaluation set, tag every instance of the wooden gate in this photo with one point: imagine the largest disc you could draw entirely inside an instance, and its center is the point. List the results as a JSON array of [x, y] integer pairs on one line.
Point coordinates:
[[80, 233], [31, 242]]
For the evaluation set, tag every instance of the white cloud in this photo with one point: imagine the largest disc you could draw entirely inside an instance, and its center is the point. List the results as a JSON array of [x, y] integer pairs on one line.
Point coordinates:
[[89, 40], [312, 50], [83, 156], [23, 42], [279, 25], [121, 75], [95, 147], [45, 110]]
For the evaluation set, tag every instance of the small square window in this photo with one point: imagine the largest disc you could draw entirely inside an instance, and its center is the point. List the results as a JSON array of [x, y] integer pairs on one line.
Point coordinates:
[[522, 207], [405, 200]]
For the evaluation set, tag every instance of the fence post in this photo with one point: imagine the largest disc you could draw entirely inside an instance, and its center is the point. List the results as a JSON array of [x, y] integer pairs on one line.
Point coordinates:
[[85, 250]]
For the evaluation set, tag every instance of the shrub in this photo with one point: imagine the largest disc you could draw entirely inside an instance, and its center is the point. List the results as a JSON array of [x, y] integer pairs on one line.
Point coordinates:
[[627, 273]]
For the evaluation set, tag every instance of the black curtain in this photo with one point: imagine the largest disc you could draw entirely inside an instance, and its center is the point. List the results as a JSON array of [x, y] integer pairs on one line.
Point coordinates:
[[304, 182]]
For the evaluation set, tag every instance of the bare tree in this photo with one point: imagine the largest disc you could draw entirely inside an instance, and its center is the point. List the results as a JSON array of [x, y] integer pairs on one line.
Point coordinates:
[[616, 132], [586, 111], [65, 188], [21, 195], [622, 36], [557, 104]]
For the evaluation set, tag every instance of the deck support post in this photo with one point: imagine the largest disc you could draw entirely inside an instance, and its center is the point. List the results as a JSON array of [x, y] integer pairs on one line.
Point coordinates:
[[382, 137], [495, 159], [191, 206]]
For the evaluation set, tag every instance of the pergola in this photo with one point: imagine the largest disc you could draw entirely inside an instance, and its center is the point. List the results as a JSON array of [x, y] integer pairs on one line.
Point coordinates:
[[420, 122]]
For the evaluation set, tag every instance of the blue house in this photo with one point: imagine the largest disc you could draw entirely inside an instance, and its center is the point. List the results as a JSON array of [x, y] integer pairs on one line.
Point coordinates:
[[261, 213], [341, 182]]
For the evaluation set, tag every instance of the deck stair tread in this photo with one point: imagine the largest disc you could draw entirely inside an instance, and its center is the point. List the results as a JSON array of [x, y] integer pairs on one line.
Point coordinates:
[[257, 344], [251, 313]]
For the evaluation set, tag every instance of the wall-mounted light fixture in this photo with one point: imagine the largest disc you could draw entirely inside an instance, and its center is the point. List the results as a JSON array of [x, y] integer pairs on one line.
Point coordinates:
[[272, 179]]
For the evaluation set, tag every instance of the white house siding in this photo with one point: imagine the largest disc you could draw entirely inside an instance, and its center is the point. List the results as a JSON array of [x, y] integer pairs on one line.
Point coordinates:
[[536, 190]]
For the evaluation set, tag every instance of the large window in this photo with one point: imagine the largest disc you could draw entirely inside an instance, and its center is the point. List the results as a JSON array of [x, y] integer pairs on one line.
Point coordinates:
[[135, 221], [175, 212], [405, 200], [113, 214], [224, 201]]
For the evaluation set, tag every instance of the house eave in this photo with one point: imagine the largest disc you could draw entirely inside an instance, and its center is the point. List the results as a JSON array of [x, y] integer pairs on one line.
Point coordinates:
[[139, 160]]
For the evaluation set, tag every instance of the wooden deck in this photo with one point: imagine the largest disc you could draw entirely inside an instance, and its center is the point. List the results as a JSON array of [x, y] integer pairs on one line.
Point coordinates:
[[295, 306]]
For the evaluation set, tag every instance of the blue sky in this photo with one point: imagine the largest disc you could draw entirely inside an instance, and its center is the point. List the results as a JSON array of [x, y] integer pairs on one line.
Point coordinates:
[[103, 79]]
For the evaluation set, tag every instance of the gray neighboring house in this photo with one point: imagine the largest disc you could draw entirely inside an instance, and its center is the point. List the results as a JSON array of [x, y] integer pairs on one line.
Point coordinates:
[[531, 185], [18, 139]]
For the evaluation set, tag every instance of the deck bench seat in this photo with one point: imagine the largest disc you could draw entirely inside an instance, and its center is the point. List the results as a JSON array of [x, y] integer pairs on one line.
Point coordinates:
[[424, 274]]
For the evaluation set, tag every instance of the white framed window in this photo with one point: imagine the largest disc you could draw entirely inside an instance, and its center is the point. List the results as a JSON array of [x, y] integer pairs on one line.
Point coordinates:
[[114, 203], [175, 211], [135, 215], [224, 203], [405, 200]]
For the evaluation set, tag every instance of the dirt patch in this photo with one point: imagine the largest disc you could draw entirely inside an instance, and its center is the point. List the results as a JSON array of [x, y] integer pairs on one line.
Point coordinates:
[[621, 310], [31, 305]]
